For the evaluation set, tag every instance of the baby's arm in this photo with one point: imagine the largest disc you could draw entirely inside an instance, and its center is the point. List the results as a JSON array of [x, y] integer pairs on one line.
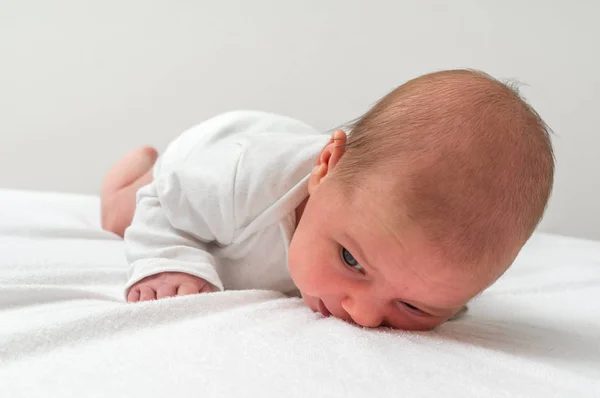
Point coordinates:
[[178, 217], [171, 234], [188, 208]]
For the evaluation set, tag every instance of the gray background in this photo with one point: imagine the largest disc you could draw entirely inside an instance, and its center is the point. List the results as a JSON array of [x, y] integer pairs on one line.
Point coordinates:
[[83, 82]]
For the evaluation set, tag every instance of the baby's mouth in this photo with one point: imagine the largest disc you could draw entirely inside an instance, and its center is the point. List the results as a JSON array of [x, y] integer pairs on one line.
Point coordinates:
[[323, 309]]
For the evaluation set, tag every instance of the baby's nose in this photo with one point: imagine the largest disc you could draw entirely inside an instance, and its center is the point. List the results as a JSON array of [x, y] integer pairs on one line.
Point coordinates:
[[362, 312]]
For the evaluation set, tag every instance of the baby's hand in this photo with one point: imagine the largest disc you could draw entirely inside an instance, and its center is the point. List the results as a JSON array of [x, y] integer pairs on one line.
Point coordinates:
[[168, 284]]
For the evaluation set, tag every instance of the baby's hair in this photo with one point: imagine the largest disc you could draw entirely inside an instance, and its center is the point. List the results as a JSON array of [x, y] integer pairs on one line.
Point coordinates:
[[469, 161]]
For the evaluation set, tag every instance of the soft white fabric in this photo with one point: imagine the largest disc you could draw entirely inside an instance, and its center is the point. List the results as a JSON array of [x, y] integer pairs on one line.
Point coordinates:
[[222, 202], [65, 330]]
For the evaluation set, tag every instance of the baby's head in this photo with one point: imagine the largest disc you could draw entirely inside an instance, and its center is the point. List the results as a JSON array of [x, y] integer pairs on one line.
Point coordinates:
[[428, 203]]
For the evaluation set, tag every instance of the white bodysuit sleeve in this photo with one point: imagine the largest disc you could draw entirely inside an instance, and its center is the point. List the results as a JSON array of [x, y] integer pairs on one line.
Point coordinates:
[[186, 209]]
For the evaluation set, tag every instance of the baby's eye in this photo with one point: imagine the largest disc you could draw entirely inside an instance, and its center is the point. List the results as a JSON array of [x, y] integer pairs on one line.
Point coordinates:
[[412, 308], [350, 261]]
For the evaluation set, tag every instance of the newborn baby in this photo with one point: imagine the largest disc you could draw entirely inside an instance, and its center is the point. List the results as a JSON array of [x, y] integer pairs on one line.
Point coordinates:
[[423, 206]]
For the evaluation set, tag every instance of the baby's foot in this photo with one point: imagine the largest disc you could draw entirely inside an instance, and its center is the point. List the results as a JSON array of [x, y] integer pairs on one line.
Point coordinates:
[[121, 185], [168, 284]]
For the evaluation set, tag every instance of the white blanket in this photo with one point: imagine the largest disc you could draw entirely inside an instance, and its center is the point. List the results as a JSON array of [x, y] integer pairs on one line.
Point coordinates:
[[65, 331]]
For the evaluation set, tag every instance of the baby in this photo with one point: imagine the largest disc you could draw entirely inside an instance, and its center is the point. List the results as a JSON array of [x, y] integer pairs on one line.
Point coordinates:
[[425, 204]]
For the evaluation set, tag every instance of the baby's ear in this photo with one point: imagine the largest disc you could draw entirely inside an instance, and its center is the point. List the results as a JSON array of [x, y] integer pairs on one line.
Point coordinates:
[[338, 149], [319, 172], [327, 159]]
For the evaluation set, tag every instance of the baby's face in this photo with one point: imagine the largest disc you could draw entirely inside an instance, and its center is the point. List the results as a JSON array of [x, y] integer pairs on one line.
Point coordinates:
[[347, 261]]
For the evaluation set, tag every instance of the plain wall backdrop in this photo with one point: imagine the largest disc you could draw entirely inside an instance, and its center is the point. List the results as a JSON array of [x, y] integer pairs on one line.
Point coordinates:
[[81, 83]]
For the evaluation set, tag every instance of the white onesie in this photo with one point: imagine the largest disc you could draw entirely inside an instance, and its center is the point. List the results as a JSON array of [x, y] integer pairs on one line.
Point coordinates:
[[222, 203]]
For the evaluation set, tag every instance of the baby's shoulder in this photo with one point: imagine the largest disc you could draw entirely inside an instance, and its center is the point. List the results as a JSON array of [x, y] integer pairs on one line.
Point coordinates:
[[277, 153], [244, 161]]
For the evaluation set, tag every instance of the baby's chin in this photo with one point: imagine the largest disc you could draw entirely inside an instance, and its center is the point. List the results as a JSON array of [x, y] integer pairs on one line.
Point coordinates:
[[317, 305]]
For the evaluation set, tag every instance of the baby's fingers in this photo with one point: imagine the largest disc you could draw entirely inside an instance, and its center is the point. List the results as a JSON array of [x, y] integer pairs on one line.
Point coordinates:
[[166, 290], [133, 295], [208, 288], [187, 288], [147, 293]]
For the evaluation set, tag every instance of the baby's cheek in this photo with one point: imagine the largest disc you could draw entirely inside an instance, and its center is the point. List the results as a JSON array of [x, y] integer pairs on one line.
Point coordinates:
[[304, 279], [307, 276]]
